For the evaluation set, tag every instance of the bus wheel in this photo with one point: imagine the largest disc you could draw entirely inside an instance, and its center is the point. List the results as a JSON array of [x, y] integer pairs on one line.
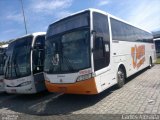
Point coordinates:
[[150, 63], [120, 78]]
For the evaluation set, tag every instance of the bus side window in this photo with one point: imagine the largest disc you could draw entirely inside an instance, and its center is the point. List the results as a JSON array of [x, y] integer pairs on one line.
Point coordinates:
[[101, 51], [38, 54]]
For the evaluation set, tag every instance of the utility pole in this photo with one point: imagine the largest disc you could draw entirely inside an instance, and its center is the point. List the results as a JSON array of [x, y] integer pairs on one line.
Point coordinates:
[[24, 16]]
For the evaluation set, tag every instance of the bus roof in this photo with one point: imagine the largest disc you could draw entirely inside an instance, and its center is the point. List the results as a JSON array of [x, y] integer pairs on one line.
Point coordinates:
[[156, 39], [4, 46], [33, 34], [102, 12]]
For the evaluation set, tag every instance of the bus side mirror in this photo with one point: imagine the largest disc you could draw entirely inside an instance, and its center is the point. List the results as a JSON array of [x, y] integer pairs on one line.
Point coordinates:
[[93, 32]]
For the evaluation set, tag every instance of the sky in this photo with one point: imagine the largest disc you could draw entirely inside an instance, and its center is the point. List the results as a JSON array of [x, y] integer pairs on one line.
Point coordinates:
[[40, 13]]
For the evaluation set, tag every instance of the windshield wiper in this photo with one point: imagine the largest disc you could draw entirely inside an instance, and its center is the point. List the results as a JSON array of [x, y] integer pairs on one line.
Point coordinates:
[[7, 66], [14, 66], [55, 59]]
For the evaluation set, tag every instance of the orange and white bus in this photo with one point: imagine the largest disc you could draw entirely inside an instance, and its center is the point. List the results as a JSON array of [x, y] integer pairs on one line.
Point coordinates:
[[24, 64], [91, 50]]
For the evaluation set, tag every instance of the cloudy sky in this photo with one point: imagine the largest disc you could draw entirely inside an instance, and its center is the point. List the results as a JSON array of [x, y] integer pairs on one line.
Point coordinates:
[[40, 13]]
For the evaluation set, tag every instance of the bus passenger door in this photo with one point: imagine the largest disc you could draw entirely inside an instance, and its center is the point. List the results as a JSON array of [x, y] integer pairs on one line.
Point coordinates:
[[99, 53], [101, 50], [38, 63]]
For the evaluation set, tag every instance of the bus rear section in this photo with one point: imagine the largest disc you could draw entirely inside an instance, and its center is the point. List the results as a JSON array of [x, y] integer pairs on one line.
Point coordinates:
[[24, 64], [85, 54], [3, 49]]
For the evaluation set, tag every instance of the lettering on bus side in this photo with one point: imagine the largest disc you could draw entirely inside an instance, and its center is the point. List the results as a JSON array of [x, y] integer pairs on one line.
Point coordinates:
[[138, 55]]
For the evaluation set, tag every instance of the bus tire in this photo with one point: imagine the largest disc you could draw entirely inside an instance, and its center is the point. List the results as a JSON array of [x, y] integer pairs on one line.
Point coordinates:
[[150, 63], [120, 77]]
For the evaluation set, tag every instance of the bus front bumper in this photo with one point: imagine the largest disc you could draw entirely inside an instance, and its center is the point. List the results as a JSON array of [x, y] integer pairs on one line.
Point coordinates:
[[29, 89], [87, 87]]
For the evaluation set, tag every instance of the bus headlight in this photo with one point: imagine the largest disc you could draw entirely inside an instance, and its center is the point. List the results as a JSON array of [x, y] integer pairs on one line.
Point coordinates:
[[25, 83], [84, 77]]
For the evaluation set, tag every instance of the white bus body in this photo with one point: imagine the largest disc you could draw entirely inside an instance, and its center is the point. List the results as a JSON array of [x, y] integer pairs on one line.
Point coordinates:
[[90, 51], [3, 49], [24, 64]]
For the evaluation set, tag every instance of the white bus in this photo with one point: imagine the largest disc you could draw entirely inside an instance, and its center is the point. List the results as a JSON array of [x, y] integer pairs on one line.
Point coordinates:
[[157, 45], [24, 64], [3, 49], [92, 50]]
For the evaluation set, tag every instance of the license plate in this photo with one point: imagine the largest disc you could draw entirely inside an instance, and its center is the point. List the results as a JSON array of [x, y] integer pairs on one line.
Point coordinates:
[[62, 89], [13, 90]]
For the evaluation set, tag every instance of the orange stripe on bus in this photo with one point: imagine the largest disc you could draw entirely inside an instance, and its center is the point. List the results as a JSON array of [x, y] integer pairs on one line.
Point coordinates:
[[82, 87]]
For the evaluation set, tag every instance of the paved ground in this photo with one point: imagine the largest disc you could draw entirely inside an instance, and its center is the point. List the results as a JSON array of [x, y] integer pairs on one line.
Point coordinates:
[[140, 95]]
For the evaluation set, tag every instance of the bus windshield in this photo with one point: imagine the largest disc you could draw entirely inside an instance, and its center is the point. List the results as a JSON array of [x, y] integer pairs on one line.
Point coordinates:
[[2, 60], [68, 52], [18, 58], [68, 45]]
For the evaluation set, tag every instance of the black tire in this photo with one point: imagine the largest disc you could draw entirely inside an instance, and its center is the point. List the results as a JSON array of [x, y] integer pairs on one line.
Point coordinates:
[[120, 78], [150, 63]]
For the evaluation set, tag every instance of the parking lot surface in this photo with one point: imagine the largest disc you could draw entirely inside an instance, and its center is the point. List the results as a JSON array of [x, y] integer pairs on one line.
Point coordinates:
[[140, 95]]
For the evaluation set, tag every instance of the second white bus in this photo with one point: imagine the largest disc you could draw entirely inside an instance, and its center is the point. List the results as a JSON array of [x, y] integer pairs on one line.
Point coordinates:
[[92, 50], [3, 49], [24, 64]]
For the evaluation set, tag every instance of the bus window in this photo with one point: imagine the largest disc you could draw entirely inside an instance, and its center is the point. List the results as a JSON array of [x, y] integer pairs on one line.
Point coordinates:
[[38, 54], [157, 45], [2, 60], [101, 41]]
